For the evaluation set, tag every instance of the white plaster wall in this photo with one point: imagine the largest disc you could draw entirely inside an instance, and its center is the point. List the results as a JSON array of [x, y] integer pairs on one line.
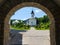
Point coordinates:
[[32, 22]]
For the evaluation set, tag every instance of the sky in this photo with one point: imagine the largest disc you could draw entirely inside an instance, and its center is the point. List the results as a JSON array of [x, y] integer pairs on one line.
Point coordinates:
[[25, 13]]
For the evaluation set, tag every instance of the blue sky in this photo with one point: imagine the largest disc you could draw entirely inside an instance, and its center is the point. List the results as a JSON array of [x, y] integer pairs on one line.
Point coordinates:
[[25, 13]]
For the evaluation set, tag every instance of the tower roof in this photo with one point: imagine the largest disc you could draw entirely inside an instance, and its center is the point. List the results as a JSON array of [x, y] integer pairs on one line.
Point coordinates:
[[32, 12]]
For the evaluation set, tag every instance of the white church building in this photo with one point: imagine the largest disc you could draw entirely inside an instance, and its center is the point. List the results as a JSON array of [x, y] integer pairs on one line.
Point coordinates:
[[31, 21]]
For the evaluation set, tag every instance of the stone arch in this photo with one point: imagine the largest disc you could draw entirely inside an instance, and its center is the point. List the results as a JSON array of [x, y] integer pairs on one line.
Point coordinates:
[[33, 4]]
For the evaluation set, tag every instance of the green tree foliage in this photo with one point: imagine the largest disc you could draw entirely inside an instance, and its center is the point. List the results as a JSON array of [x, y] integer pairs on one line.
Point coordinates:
[[11, 22], [20, 25], [43, 22]]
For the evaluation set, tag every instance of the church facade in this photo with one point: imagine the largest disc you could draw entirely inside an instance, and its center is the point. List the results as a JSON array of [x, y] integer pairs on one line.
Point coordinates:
[[31, 21]]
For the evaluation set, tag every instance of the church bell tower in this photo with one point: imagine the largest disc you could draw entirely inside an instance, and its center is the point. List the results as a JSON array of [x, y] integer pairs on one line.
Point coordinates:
[[32, 14]]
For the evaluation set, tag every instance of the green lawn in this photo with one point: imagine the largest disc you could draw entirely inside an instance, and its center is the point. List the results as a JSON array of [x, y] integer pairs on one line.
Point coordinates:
[[22, 28], [41, 28]]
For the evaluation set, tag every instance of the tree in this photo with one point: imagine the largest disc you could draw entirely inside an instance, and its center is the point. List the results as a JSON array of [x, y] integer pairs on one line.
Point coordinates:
[[43, 22]]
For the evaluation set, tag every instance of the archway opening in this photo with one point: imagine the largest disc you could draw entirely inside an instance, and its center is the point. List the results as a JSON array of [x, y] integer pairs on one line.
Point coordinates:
[[7, 29], [29, 23]]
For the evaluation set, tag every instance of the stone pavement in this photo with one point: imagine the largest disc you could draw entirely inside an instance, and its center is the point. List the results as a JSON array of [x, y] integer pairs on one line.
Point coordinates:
[[30, 37]]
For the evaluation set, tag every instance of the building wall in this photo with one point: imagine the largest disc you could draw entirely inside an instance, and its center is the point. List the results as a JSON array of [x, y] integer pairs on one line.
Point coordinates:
[[32, 22]]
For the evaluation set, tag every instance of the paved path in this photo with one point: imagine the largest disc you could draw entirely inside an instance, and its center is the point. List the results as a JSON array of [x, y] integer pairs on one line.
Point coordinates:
[[30, 37], [32, 28]]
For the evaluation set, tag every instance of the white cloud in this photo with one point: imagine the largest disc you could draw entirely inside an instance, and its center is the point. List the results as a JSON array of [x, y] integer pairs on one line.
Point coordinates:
[[38, 10]]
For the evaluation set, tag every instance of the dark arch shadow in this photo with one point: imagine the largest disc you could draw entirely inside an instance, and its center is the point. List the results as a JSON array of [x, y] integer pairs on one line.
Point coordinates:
[[16, 37]]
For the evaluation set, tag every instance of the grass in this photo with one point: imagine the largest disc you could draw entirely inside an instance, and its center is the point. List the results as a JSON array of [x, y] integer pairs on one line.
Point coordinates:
[[41, 29], [16, 28]]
